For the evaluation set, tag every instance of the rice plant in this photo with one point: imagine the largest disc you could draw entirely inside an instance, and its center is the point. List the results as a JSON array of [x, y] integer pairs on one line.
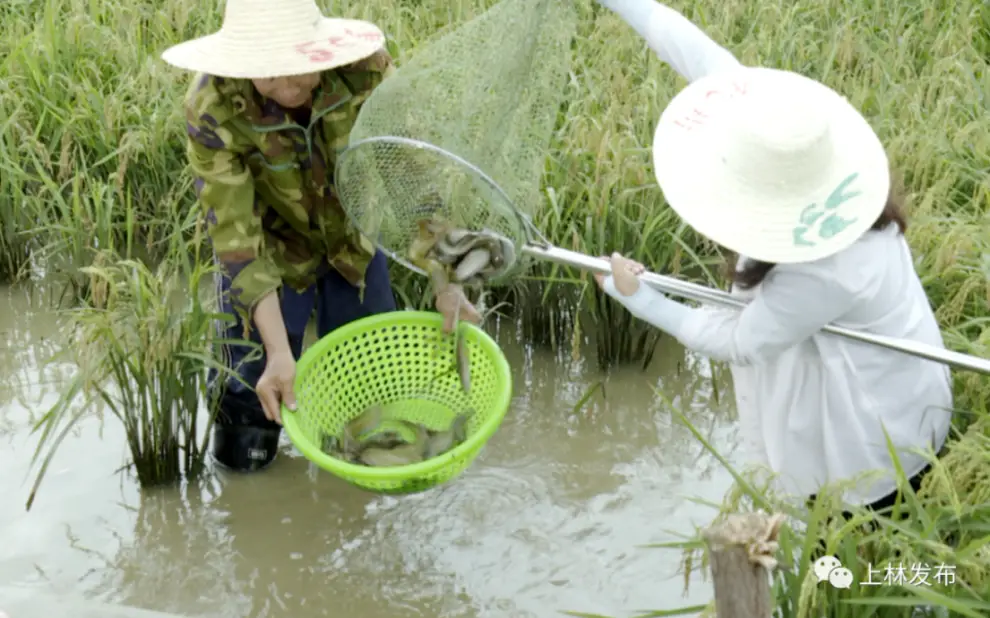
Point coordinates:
[[93, 175], [929, 557], [91, 139], [143, 346]]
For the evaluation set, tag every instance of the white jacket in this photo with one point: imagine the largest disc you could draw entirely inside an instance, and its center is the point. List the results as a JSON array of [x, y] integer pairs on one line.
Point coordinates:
[[812, 406]]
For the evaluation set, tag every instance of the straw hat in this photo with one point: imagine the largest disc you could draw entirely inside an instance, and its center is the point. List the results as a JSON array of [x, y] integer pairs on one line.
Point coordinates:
[[770, 164], [274, 38]]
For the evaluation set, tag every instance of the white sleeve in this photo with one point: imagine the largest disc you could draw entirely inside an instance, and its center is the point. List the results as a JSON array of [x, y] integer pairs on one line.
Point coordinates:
[[673, 38], [794, 302]]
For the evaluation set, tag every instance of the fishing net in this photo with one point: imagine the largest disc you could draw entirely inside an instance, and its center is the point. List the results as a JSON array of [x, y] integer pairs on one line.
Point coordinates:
[[460, 132]]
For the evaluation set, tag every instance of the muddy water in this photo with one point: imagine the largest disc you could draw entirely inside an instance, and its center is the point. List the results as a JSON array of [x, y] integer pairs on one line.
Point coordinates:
[[549, 518]]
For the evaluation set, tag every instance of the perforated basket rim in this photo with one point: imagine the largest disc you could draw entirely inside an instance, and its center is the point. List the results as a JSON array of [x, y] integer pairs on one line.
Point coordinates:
[[472, 444]]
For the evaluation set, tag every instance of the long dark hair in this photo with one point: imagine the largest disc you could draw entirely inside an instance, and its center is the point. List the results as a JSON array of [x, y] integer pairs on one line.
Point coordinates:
[[753, 273]]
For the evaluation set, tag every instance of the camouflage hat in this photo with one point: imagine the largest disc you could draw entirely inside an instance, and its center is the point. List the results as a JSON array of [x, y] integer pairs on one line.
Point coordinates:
[[262, 38]]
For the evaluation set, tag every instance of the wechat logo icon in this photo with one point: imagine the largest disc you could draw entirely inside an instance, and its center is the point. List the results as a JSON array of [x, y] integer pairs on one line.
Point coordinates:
[[828, 568]]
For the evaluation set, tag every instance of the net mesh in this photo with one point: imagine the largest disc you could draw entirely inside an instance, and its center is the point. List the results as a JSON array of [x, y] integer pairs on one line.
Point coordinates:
[[484, 99]]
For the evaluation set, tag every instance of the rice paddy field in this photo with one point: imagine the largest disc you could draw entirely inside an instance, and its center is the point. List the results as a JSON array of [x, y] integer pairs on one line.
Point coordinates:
[[99, 229]]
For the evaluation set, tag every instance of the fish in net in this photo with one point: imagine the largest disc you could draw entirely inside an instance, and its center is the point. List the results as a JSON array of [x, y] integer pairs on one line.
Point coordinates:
[[446, 158]]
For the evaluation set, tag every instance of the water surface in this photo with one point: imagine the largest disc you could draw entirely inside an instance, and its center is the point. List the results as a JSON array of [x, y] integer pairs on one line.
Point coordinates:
[[549, 518]]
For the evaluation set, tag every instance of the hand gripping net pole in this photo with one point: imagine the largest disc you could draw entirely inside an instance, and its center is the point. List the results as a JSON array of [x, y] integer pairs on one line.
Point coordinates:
[[460, 133], [461, 130]]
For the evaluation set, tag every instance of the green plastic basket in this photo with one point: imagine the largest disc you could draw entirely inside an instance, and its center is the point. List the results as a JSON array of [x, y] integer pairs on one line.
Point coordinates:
[[397, 360]]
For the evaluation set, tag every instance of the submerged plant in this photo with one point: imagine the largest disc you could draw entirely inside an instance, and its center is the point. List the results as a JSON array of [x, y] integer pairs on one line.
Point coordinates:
[[143, 348]]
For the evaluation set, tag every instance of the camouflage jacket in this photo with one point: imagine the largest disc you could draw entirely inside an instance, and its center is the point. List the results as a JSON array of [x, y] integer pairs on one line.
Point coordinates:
[[266, 182]]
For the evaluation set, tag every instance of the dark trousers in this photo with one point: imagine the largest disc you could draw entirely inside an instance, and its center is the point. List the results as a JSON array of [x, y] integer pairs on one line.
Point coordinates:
[[884, 504], [243, 438], [881, 506]]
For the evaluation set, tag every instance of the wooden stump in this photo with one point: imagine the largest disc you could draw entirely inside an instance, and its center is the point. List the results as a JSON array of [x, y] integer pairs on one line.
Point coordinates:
[[742, 552]]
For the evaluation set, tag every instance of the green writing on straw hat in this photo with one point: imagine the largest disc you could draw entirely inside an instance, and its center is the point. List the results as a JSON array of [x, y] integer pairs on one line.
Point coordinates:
[[832, 224]]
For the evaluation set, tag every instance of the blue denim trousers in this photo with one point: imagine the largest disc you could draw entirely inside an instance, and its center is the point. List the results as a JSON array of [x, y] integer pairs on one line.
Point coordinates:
[[336, 303]]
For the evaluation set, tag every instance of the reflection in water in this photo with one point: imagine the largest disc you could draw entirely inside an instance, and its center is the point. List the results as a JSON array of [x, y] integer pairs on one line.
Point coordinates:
[[27, 348], [548, 518]]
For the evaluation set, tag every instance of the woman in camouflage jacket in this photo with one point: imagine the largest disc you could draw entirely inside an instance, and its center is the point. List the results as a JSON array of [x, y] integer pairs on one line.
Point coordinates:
[[272, 101]]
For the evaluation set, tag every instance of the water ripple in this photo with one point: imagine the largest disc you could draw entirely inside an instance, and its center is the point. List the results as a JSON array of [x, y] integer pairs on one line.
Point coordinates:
[[548, 518]]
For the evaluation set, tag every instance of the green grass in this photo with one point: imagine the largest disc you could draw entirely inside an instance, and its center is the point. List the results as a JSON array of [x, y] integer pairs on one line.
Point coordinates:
[[92, 174], [92, 138], [142, 344]]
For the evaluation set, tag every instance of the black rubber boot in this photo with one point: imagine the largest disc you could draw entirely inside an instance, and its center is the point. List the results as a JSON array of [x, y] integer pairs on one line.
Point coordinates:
[[243, 448]]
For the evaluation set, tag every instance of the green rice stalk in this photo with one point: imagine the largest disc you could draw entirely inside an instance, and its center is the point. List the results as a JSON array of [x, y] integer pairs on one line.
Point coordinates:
[[935, 526], [143, 350]]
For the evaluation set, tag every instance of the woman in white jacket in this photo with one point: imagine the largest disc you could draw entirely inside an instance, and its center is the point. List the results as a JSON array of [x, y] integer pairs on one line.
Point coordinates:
[[787, 175]]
